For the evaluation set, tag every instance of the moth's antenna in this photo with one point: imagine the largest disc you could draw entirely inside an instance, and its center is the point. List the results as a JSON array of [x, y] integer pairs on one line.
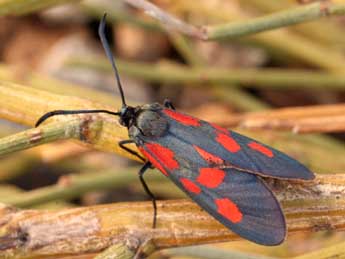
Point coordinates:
[[110, 56]]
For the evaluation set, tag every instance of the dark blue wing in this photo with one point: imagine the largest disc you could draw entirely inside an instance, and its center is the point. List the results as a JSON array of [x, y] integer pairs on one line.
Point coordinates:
[[239, 200], [235, 149], [243, 203]]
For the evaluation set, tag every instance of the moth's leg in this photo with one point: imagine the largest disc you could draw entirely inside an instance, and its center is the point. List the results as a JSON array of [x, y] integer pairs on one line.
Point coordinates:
[[122, 144], [146, 166], [168, 104]]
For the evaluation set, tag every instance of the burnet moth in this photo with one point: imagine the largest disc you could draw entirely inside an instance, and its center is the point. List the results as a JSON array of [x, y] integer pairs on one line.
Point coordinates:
[[219, 169]]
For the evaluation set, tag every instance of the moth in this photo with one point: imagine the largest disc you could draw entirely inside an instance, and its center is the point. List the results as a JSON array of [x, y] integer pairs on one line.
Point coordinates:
[[219, 169]]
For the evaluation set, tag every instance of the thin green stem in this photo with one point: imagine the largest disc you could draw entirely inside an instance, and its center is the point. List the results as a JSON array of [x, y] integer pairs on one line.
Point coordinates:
[[19, 7], [276, 20], [38, 136], [78, 184], [263, 78]]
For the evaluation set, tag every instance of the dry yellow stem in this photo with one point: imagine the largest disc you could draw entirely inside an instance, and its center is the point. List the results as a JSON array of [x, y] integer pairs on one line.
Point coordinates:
[[318, 118], [312, 206]]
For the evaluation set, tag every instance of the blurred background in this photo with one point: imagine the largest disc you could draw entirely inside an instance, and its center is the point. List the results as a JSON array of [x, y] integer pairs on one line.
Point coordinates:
[[225, 81]]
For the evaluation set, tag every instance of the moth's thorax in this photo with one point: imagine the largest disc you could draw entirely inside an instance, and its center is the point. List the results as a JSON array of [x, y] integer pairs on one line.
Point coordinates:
[[149, 122]]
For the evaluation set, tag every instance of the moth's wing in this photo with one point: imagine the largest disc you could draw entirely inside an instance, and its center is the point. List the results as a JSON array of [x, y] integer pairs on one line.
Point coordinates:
[[234, 149], [239, 200], [243, 203]]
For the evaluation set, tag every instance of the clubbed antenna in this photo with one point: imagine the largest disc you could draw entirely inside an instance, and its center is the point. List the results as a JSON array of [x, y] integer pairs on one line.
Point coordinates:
[[110, 56]]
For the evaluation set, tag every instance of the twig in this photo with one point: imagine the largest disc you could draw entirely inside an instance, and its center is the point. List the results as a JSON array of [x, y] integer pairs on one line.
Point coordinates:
[[323, 31], [258, 78], [33, 137], [237, 29], [167, 19], [277, 42], [320, 119], [19, 7], [276, 20], [308, 206], [101, 131], [96, 9], [74, 186]]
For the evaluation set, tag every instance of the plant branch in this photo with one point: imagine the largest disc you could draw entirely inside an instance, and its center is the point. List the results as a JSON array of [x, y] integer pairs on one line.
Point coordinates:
[[75, 185], [303, 13], [98, 130], [312, 206], [258, 78], [170, 21], [20, 7], [308, 119], [38, 136], [279, 42], [230, 30]]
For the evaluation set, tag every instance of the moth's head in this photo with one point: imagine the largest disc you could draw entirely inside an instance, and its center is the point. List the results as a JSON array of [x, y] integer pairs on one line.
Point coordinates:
[[127, 116]]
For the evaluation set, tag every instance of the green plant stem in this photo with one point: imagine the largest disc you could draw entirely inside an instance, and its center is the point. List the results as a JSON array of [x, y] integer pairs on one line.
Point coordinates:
[[282, 45], [325, 31], [77, 185], [116, 15], [101, 131], [258, 78], [20, 7], [38, 136], [276, 20]]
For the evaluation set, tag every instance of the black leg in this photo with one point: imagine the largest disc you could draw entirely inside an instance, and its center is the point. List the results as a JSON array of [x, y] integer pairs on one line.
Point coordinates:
[[167, 103], [122, 144], [146, 166], [67, 112]]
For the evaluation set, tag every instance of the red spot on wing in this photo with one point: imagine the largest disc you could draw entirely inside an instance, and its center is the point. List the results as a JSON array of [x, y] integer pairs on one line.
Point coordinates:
[[228, 142], [182, 118], [161, 157], [210, 158], [260, 148], [210, 177], [163, 154], [190, 186], [224, 130], [229, 210], [154, 162]]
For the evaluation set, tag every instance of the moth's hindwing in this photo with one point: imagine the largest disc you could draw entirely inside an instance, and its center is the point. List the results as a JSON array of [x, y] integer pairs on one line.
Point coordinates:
[[239, 200]]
